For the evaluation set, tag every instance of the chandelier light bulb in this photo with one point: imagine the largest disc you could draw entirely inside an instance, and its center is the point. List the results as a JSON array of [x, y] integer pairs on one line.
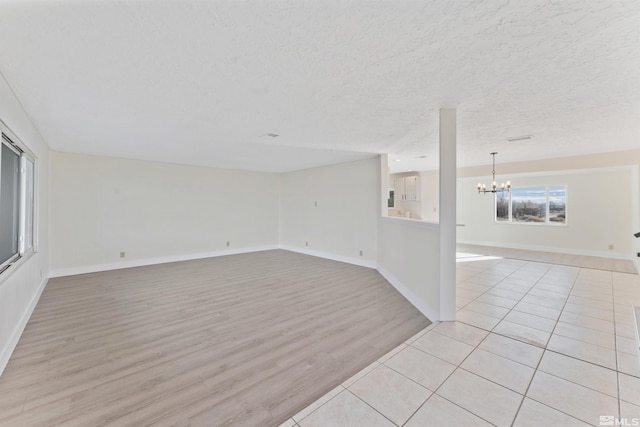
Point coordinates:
[[482, 188]]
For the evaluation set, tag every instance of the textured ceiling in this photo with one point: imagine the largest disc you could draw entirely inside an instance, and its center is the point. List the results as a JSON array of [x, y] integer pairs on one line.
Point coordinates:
[[203, 82]]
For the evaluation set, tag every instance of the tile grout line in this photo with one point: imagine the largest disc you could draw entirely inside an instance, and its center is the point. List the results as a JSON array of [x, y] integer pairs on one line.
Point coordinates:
[[502, 280], [434, 392], [459, 366], [544, 350], [615, 342], [324, 403], [494, 285], [445, 380], [524, 395], [431, 328], [366, 403], [512, 308], [422, 332]]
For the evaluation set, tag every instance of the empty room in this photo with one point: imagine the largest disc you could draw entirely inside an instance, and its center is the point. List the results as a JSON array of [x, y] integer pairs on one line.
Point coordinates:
[[319, 213]]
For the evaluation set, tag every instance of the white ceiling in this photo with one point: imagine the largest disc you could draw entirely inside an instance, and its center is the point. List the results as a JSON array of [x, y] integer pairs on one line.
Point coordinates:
[[204, 82]]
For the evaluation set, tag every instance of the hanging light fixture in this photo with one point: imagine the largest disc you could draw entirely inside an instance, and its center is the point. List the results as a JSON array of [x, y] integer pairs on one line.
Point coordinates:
[[495, 188]]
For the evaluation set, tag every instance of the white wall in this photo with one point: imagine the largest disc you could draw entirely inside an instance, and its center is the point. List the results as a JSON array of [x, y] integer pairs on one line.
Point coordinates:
[[334, 209], [430, 193], [21, 285], [599, 214], [408, 257], [154, 212], [409, 254], [350, 199]]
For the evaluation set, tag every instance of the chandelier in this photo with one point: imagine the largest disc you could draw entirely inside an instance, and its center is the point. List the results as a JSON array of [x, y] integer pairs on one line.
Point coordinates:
[[482, 188]]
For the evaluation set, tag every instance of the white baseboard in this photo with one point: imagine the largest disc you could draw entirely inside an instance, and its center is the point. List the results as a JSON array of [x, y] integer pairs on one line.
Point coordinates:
[[7, 351], [568, 251], [173, 258], [349, 260], [71, 271], [429, 312]]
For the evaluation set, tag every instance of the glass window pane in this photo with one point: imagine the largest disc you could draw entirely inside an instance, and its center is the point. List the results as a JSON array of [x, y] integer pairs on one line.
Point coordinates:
[[502, 206], [9, 203], [558, 204], [529, 204]]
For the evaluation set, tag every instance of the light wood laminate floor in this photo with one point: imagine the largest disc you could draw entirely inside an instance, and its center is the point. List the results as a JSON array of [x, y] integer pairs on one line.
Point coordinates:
[[242, 340]]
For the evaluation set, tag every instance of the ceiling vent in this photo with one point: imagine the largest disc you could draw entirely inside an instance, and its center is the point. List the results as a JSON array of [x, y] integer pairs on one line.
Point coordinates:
[[520, 138]]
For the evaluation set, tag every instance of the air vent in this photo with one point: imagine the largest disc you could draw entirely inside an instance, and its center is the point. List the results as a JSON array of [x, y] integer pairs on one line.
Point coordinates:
[[520, 138]]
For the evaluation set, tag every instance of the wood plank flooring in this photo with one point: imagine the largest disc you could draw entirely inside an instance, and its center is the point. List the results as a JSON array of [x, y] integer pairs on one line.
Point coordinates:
[[243, 340]]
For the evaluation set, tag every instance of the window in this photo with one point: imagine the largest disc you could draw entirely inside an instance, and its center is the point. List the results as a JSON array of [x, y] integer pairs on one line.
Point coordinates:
[[9, 203], [533, 205], [502, 206], [17, 200], [557, 197], [529, 204]]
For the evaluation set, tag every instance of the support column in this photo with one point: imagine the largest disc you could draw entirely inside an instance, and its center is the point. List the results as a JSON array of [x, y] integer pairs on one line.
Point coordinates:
[[448, 214], [384, 184]]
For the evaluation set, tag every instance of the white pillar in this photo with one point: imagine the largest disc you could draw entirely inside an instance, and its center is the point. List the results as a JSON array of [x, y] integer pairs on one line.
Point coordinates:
[[447, 214], [384, 184], [635, 213]]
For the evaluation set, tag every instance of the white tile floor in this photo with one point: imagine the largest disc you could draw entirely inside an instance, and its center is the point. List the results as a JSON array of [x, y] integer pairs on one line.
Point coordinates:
[[535, 344]]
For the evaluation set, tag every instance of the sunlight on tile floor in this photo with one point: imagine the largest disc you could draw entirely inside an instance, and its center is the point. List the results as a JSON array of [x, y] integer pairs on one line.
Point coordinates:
[[534, 344]]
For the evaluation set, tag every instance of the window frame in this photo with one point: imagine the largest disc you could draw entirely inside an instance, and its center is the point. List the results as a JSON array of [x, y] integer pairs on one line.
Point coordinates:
[[25, 250], [547, 221]]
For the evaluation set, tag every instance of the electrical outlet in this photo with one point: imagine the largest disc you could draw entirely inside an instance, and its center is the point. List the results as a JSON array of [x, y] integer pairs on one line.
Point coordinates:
[[228, 243], [315, 204], [360, 252], [306, 243], [610, 247], [122, 254]]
